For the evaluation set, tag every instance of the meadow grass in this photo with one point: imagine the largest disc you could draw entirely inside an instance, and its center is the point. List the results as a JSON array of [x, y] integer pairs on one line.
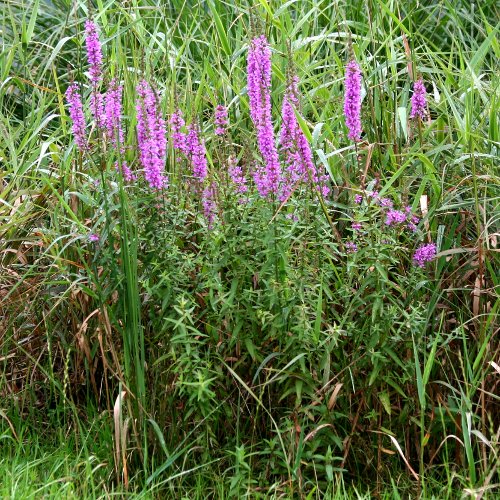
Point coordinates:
[[257, 355]]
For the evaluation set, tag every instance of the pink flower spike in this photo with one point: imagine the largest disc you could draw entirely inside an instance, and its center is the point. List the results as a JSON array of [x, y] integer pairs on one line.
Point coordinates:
[[268, 179], [295, 147], [197, 154], [77, 117], [178, 136], [94, 51], [419, 100], [221, 120], [151, 136], [352, 100]]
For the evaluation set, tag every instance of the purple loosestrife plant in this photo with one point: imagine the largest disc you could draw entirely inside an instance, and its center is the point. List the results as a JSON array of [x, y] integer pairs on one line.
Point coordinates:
[[295, 147], [128, 175], [77, 117], [94, 52], [209, 205], [394, 217], [221, 121], [352, 100], [97, 107], [351, 247], [151, 136], [259, 93], [112, 115], [178, 137], [419, 100], [237, 177], [197, 154], [424, 253]]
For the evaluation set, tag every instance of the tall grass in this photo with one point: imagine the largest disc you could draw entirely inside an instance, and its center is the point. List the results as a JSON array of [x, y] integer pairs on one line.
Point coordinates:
[[258, 357]]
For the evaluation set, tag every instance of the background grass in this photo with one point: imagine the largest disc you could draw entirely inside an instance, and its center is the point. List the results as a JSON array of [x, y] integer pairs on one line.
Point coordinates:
[[256, 358]]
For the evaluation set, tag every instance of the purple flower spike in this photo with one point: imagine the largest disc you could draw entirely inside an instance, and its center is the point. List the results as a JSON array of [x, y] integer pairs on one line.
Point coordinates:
[[112, 114], [177, 123], [97, 108], [77, 117], [358, 199], [209, 205], [128, 175], [423, 254], [259, 93], [197, 153], [295, 148], [221, 120], [151, 136], [93, 237], [352, 100], [94, 51], [237, 176], [418, 100]]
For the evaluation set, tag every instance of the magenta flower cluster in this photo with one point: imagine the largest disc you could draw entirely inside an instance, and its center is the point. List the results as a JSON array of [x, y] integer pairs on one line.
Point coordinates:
[[151, 136], [280, 170], [419, 100], [112, 114], [77, 116], [295, 148], [424, 253], [393, 217], [268, 178], [237, 176], [209, 204], [221, 121], [352, 100], [177, 136], [196, 153], [94, 51]]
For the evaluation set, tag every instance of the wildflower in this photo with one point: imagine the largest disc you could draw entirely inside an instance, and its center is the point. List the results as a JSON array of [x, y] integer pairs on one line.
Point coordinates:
[[196, 152], [77, 117], [352, 100], [418, 100], [356, 226], [351, 247], [237, 176], [112, 113], [151, 136], [93, 237], [423, 254], [128, 175], [394, 217], [386, 203], [209, 205], [178, 137], [259, 94], [221, 121], [358, 199], [97, 108], [295, 147], [94, 51]]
